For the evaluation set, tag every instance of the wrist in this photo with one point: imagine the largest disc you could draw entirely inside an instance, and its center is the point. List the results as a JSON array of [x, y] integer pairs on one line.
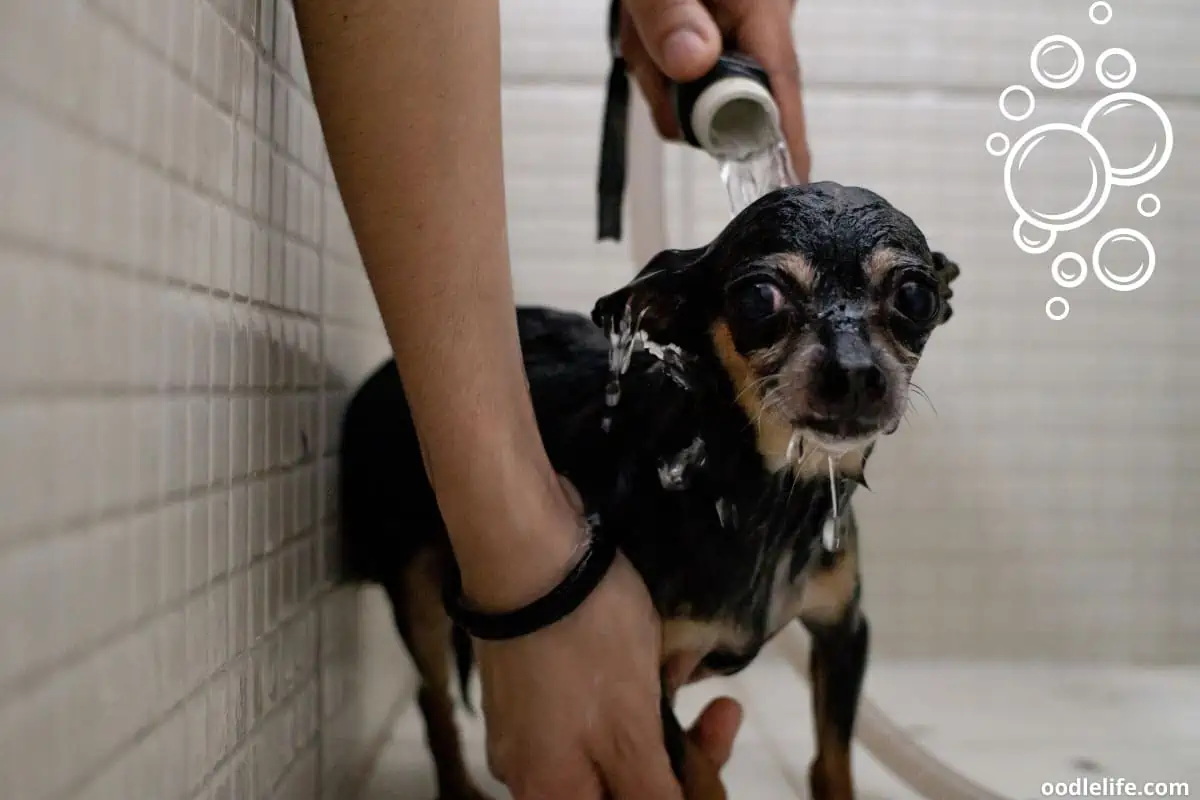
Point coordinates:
[[516, 528]]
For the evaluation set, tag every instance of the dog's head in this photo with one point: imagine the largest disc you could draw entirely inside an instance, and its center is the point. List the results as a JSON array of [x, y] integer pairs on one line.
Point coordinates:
[[817, 301]]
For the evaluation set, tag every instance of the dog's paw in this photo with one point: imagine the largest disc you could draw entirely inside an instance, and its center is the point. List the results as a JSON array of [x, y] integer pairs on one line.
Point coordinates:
[[826, 784], [465, 793]]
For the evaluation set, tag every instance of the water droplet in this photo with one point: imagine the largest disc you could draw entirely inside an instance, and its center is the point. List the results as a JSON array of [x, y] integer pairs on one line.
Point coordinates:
[[674, 474]]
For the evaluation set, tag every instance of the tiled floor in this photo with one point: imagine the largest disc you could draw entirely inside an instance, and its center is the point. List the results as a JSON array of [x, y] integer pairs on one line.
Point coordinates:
[[1010, 727]]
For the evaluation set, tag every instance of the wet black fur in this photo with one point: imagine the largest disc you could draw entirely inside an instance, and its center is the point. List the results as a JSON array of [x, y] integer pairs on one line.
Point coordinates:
[[696, 566]]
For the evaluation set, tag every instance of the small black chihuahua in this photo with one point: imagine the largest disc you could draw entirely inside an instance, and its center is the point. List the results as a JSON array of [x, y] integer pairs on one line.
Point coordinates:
[[715, 413]]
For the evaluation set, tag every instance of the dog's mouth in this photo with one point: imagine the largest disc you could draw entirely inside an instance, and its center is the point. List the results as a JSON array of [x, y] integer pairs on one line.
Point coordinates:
[[840, 430]]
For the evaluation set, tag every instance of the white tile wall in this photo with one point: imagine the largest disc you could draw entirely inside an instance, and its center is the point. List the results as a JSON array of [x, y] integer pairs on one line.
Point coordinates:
[[183, 312]]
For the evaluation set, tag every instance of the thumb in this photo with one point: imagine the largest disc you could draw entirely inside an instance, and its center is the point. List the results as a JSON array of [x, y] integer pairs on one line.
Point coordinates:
[[680, 35]]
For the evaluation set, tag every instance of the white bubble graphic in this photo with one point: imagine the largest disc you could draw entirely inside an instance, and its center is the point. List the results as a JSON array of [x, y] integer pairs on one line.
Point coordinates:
[[1060, 275], [1013, 116], [1031, 239], [1100, 13], [1057, 302], [1093, 199], [1118, 75], [1160, 151], [1131, 281], [1051, 45], [1155, 205], [1058, 177]]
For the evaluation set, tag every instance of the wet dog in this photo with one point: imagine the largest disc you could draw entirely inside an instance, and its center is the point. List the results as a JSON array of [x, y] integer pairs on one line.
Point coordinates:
[[715, 414]]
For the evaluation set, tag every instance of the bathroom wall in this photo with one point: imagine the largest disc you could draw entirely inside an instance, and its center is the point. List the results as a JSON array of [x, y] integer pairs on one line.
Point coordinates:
[[183, 311]]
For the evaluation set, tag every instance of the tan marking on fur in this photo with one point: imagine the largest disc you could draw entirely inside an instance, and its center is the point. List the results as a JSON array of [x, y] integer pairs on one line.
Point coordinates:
[[689, 636], [827, 592], [427, 635], [772, 432], [830, 776], [686, 642], [880, 263], [795, 265]]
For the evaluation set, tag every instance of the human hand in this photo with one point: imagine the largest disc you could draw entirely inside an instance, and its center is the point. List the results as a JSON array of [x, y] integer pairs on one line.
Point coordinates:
[[681, 40], [573, 710]]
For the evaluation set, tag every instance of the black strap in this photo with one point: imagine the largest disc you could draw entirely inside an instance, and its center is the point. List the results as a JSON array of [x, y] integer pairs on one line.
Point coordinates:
[[559, 603], [611, 183]]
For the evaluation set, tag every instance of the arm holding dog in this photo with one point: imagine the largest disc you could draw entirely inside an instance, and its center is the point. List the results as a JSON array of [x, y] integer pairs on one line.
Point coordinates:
[[409, 98]]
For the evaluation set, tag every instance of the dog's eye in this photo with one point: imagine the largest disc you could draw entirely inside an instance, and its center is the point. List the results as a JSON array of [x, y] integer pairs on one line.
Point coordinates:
[[917, 302], [758, 301]]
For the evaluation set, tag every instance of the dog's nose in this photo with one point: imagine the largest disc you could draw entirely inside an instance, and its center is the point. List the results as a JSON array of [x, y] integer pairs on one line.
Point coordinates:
[[850, 379], [856, 385]]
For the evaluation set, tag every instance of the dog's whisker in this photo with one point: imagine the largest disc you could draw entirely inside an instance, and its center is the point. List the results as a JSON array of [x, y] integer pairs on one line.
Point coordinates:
[[751, 387], [925, 396]]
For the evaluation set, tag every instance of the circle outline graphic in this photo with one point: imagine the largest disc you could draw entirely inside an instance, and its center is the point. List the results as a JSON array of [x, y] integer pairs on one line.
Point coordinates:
[[1121, 83], [1033, 249], [1157, 205], [1106, 184], [1100, 4], [1066, 309], [1008, 115], [1122, 176], [1056, 270], [1111, 283], [1064, 81], [1005, 146]]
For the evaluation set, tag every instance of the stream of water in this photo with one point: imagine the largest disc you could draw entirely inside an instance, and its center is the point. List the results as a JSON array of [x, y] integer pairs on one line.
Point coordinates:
[[749, 177]]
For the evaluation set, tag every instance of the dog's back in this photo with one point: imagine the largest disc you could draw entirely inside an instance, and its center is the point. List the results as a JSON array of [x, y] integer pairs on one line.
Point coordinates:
[[388, 509]]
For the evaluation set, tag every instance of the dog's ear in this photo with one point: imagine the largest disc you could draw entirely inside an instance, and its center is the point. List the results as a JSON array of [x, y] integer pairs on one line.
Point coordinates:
[[657, 299], [946, 271]]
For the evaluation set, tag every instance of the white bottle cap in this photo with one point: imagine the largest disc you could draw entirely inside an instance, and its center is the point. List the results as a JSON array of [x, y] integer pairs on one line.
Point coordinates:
[[734, 117]]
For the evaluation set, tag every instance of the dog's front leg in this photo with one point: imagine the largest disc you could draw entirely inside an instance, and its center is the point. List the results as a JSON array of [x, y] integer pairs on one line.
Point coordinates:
[[837, 665]]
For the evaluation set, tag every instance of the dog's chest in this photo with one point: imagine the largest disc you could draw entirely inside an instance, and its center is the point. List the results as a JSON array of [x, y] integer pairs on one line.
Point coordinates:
[[821, 594], [727, 576]]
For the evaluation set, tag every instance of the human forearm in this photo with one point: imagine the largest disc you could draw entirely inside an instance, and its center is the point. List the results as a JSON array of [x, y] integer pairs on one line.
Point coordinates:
[[409, 96]]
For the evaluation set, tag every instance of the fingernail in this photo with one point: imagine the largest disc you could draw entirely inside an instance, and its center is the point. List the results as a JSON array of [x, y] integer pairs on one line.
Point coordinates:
[[682, 49]]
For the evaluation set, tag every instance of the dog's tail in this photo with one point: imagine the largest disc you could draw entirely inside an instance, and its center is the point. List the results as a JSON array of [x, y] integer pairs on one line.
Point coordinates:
[[464, 659]]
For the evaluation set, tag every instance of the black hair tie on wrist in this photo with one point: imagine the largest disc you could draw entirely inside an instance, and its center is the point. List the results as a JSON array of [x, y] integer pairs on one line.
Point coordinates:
[[559, 603]]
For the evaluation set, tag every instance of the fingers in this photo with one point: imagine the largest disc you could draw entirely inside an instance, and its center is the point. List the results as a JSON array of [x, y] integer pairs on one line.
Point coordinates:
[[765, 33], [716, 729], [640, 770], [579, 783], [680, 36], [655, 86]]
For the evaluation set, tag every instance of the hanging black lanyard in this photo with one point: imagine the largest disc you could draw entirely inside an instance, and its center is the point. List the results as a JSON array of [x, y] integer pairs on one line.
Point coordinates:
[[611, 183]]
